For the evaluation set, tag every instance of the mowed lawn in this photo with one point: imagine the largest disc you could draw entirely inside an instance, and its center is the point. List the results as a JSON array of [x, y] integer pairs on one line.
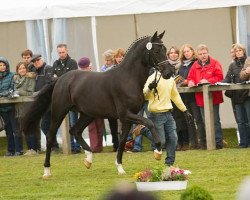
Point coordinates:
[[220, 172]]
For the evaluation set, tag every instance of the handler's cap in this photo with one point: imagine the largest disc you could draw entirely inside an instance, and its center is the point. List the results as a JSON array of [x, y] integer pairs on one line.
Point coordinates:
[[84, 62], [35, 57]]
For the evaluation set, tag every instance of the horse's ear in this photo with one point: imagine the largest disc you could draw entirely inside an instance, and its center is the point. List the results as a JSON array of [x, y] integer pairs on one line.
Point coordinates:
[[154, 37], [161, 35]]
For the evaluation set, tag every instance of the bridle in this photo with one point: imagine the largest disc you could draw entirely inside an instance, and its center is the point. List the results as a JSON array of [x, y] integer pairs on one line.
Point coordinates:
[[156, 64]]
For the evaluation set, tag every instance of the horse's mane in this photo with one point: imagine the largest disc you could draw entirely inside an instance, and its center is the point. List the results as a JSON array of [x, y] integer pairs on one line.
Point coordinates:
[[132, 46]]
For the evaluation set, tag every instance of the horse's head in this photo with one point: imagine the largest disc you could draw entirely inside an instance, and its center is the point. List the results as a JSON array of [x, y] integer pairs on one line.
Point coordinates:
[[157, 55]]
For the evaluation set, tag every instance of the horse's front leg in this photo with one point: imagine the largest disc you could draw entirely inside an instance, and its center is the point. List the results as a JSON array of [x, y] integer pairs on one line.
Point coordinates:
[[125, 130], [137, 119]]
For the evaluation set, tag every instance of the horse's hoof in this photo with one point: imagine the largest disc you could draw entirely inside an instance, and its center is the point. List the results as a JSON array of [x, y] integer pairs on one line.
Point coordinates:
[[157, 154], [120, 168], [87, 164], [121, 172], [45, 176]]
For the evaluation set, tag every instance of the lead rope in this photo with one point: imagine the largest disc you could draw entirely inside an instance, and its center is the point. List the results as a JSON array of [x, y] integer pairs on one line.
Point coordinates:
[[155, 91]]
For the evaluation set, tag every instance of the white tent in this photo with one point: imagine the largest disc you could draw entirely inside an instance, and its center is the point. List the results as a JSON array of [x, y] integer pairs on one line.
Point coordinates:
[[17, 10], [90, 27]]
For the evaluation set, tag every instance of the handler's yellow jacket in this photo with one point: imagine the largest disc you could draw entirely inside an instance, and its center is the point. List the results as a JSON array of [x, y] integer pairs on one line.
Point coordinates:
[[167, 91]]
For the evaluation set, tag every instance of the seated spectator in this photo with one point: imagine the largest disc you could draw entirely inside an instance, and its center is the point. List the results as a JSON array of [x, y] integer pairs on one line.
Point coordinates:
[[7, 111], [24, 86]]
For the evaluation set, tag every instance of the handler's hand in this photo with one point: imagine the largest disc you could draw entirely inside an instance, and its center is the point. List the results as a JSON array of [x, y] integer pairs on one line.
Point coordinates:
[[152, 85], [188, 117]]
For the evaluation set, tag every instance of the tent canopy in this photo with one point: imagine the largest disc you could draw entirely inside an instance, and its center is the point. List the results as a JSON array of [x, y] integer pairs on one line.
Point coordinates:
[[19, 10]]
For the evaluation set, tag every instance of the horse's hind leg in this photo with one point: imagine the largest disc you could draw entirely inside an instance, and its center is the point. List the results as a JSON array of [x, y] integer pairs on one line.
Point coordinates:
[[77, 130]]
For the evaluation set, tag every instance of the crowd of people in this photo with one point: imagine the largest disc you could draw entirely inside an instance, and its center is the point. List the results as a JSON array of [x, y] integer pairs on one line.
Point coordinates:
[[178, 118]]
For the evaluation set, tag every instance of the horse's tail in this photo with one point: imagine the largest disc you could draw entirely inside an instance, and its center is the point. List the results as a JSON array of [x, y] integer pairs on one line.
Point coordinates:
[[35, 110]]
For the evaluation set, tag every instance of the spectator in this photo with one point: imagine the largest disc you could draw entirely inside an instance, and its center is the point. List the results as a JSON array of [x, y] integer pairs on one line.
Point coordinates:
[[24, 86], [44, 74], [113, 123], [7, 111], [181, 125], [118, 56], [173, 58], [96, 127], [245, 75], [108, 59], [27, 56], [187, 59], [238, 97], [160, 111], [207, 70], [61, 66]]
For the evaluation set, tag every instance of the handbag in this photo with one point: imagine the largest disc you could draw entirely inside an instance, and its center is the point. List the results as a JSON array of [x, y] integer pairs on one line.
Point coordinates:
[[2, 123]]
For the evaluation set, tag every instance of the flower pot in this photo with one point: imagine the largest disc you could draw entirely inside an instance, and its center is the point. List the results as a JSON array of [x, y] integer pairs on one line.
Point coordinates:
[[161, 185]]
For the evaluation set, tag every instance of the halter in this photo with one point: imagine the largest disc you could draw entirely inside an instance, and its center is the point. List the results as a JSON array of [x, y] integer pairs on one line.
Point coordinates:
[[149, 46]]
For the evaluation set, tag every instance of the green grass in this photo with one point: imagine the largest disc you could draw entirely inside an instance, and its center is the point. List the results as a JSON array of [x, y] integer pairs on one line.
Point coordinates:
[[219, 172]]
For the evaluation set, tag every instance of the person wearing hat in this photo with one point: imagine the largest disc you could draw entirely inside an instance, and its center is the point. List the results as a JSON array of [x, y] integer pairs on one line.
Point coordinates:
[[96, 127], [44, 76], [61, 66], [7, 111]]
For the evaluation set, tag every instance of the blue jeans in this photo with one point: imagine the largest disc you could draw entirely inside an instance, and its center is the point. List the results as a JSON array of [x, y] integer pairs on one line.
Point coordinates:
[[217, 125], [242, 123], [165, 125], [73, 117], [138, 140], [14, 139], [247, 108]]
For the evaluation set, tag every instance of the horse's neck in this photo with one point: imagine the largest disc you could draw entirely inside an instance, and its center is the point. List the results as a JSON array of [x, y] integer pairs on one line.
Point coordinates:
[[137, 71]]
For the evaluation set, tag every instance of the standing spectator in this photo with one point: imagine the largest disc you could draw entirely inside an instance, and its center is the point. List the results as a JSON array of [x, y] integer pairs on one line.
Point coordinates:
[[204, 71], [44, 74], [118, 56], [113, 123], [182, 130], [7, 111], [108, 60], [173, 58], [238, 97], [96, 127], [24, 86], [187, 59], [27, 56], [61, 66], [245, 75], [160, 111]]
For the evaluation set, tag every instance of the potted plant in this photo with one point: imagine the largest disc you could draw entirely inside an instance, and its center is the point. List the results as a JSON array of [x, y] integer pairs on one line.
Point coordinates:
[[161, 178]]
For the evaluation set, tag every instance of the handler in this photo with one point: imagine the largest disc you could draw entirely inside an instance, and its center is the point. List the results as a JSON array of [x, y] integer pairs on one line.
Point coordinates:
[[159, 96]]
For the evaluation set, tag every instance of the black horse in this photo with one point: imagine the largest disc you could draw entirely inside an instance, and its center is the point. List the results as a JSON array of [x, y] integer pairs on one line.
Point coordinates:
[[117, 93]]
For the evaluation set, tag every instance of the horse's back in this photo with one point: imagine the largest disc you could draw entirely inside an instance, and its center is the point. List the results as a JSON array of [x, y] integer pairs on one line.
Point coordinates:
[[89, 92]]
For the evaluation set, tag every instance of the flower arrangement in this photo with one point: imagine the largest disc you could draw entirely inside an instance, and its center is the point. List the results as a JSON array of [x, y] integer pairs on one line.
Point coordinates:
[[162, 174]]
